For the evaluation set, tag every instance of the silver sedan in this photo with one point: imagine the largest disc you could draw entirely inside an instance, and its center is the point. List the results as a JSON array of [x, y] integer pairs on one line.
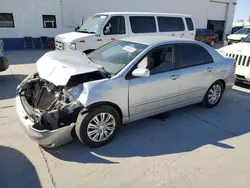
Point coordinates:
[[123, 81]]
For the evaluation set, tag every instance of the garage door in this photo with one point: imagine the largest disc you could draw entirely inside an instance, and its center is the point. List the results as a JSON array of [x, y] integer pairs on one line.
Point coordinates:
[[217, 11]]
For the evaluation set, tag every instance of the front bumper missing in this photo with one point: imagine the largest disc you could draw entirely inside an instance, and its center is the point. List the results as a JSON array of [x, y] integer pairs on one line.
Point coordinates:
[[45, 138]]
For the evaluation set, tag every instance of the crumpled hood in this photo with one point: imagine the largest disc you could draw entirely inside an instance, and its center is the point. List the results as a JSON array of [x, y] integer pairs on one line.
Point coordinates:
[[72, 36], [58, 66], [236, 37], [241, 48]]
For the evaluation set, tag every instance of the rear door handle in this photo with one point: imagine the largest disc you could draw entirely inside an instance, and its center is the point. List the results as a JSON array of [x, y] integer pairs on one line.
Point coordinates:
[[174, 77], [209, 69]]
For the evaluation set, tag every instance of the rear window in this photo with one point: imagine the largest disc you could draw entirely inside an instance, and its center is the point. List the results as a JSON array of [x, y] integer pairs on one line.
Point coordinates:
[[193, 55], [190, 24], [142, 24], [170, 24]]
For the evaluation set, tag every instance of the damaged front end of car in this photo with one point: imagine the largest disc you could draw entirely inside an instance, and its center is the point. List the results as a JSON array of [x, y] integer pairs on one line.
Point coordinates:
[[49, 112]]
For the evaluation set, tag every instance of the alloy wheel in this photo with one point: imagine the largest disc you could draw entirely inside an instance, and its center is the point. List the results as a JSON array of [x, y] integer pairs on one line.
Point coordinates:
[[101, 127]]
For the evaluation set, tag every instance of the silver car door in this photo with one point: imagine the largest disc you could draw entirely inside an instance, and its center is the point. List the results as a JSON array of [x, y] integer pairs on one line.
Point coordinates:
[[158, 92], [197, 72]]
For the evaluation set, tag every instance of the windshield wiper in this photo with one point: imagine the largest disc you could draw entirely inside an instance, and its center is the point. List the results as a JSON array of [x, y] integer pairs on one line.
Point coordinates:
[[86, 31]]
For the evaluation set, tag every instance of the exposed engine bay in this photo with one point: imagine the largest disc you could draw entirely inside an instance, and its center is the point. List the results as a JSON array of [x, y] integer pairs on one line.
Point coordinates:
[[52, 107]]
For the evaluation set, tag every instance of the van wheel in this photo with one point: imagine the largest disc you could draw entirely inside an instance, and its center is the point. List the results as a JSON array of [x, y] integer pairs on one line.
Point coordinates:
[[213, 95], [98, 126]]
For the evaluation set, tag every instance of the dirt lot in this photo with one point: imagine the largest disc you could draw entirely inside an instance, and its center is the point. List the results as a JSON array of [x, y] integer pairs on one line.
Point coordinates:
[[194, 147]]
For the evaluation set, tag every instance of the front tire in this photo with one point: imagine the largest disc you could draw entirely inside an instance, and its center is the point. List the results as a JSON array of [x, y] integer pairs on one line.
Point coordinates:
[[213, 95], [97, 126]]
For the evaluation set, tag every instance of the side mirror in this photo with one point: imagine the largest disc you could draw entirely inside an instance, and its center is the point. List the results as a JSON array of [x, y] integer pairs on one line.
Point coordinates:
[[107, 30], [77, 28], [141, 72]]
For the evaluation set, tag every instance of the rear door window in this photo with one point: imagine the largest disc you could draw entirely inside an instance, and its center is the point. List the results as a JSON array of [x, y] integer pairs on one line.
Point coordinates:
[[190, 24], [167, 24], [193, 55], [142, 24]]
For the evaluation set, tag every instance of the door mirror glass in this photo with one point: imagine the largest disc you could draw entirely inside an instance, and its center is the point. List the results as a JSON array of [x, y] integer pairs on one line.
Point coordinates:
[[77, 28], [141, 72], [107, 29]]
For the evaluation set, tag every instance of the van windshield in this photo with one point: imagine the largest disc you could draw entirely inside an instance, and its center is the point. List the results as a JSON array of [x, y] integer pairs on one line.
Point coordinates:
[[114, 56], [247, 39], [93, 24]]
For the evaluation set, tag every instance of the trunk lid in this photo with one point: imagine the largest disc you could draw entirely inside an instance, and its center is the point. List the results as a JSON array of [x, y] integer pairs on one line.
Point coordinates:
[[57, 67]]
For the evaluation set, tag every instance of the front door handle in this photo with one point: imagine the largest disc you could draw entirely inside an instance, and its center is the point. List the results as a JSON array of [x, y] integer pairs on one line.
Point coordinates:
[[209, 69], [174, 77]]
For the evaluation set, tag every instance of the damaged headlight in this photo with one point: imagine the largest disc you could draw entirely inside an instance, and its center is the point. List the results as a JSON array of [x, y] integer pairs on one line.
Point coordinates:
[[71, 107], [75, 92]]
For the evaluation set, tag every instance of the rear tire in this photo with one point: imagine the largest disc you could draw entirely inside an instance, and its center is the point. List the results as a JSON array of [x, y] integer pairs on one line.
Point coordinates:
[[213, 95], [98, 126]]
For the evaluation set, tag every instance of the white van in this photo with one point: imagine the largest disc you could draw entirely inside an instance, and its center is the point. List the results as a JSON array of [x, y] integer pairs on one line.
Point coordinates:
[[104, 27]]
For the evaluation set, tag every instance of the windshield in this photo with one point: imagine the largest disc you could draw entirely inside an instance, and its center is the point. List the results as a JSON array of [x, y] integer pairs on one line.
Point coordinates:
[[247, 39], [243, 31], [116, 55], [93, 24]]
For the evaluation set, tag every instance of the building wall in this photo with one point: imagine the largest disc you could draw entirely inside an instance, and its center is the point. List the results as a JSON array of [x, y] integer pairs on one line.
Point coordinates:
[[28, 14]]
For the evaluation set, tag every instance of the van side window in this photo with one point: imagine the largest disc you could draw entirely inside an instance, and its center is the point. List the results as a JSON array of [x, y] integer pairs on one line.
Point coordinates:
[[142, 24], [116, 26], [193, 55], [170, 24], [190, 24]]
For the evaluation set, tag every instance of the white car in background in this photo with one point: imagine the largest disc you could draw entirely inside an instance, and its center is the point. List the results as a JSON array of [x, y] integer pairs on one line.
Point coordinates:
[[241, 53], [238, 36], [103, 28]]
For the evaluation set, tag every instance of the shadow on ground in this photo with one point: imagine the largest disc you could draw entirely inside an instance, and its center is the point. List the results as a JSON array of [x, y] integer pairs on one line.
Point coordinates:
[[16, 170], [243, 85], [186, 130], [8, 84]]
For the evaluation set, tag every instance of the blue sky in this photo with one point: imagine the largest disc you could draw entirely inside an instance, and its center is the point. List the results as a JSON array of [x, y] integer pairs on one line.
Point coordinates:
[[242, 10]]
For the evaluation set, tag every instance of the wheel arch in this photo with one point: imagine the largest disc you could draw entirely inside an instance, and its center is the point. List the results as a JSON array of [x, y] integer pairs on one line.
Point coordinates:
[[106, 103], [222, 81]]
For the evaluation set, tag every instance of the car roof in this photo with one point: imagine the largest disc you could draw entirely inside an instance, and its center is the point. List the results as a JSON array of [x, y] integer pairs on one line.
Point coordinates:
[[143, 13], [153, 39]]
